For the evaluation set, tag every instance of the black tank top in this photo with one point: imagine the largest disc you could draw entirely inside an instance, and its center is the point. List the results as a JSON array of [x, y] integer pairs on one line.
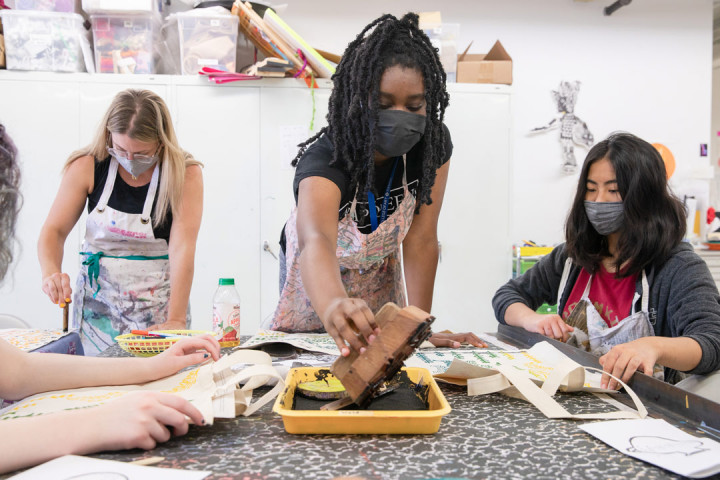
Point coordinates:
[[126, 198]]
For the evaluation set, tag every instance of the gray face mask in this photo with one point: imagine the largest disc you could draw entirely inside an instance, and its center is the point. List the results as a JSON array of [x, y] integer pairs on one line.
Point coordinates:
[[398, 131], [138, 165], [606, 217]]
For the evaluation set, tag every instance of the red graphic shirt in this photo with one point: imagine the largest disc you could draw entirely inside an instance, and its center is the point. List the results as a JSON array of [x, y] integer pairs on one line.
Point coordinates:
[[612, 297]]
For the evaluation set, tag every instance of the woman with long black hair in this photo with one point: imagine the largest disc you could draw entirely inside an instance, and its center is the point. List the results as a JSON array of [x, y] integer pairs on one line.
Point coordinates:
[[643, 296]]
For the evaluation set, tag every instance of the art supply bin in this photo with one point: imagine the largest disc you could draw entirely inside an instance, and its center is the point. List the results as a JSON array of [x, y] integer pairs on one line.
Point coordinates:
[[142, 346], [444, 37], [124, 43], [523, 259], [361, 421], [526, 257], [204, 40], [102, 7], [37, 40], [67, 6]]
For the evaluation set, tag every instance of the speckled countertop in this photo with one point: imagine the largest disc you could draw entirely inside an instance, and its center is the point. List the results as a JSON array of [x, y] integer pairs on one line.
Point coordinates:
[[490, 436]]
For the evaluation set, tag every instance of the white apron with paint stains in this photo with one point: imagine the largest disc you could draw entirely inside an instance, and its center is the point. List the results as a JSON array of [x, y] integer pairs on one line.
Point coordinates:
[[124, 283], [600, 338], [370, 266]]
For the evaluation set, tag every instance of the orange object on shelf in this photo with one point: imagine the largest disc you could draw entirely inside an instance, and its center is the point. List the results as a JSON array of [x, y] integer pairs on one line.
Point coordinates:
[[667, 157]]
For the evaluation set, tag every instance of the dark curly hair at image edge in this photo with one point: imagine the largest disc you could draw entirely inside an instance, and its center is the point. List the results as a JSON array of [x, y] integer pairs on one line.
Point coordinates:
[[654, 219], [10, 199], [353, 105]]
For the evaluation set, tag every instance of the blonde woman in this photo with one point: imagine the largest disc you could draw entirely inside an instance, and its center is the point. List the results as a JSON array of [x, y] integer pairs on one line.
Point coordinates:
[[144, 202]]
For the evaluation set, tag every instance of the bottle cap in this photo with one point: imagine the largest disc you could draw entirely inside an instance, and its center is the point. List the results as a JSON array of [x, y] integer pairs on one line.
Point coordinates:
[[226, 281]]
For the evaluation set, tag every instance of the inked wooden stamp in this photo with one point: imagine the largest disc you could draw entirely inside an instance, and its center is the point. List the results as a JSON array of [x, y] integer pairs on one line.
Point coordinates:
[[402, 330]]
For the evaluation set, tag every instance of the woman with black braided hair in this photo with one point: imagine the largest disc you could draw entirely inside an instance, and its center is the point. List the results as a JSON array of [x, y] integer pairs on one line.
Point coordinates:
[[369, 182]]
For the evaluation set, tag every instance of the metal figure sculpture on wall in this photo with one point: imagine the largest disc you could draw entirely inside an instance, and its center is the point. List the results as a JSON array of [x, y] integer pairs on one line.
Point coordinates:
[[572, 129]]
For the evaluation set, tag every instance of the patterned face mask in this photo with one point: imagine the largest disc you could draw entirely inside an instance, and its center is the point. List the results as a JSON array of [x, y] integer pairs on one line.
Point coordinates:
[[606, 217]]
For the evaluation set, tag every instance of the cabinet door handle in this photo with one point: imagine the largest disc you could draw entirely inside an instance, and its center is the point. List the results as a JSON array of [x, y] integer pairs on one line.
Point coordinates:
[[266, 247]]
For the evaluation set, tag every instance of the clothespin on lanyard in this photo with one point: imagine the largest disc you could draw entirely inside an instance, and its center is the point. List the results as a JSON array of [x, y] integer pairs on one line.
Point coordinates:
[[386, 200]]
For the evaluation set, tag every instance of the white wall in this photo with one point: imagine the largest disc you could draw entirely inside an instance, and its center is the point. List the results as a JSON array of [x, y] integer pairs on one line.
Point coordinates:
[[646, 69]]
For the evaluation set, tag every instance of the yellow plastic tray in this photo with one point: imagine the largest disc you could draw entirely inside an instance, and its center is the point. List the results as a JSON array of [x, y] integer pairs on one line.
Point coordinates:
[[142, 346], [361, 421]]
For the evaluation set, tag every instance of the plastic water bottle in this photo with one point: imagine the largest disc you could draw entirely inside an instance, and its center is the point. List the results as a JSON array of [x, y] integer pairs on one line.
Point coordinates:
[[226, 312]]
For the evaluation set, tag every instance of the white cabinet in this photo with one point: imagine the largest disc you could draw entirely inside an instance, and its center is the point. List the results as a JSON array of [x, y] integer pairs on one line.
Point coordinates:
[[246, 134], [474, 225], [285, 120], [219, 127]]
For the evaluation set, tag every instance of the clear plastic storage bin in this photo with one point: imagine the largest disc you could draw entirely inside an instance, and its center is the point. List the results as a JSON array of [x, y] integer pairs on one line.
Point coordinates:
[[50, 41], [120, 6], [204, 40], [67, 6], [124, 43], [444, 37]]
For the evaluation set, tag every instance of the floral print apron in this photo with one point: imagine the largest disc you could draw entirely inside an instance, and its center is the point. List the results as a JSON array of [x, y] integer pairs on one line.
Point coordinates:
[[370, 266], [124, 283]]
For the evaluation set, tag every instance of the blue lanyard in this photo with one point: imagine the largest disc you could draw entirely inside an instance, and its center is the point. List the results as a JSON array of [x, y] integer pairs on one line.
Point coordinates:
[[371, 202]]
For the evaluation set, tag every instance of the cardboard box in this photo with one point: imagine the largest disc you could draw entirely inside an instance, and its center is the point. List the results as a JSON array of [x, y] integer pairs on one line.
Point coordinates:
[[493, 67]]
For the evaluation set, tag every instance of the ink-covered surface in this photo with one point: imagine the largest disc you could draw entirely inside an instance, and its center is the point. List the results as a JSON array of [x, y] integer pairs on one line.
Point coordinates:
[[399, 411]]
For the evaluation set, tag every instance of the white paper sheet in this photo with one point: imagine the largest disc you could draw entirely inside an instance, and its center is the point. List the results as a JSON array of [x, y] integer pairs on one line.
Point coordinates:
[[657, 442], [71, 466]]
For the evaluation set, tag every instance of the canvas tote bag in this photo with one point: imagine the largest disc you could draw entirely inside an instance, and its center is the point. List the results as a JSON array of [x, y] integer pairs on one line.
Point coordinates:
[[213, 388], [563, 374]]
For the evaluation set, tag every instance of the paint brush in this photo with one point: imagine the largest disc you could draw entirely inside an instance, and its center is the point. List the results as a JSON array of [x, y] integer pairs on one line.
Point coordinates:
[[149, 334], [146, 333]]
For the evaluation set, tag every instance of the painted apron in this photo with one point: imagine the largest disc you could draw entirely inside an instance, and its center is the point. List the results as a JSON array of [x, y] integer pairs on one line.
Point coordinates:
[[597, 337], [370, 266], [124, 283]]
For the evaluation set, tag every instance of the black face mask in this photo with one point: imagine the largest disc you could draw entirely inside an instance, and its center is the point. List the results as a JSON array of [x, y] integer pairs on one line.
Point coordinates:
[[398, 131]]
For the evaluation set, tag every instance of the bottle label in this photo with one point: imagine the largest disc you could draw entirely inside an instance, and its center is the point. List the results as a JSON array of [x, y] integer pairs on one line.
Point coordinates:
[[226, 319]]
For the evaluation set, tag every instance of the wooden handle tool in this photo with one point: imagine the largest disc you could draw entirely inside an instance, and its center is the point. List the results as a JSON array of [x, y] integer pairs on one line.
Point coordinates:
[[65, 317]]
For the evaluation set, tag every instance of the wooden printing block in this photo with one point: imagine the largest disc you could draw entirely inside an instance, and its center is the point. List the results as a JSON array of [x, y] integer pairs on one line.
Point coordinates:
[[401, 332]]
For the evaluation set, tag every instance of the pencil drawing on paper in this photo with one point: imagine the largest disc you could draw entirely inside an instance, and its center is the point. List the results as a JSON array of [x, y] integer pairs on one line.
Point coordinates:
[[665, 446]]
